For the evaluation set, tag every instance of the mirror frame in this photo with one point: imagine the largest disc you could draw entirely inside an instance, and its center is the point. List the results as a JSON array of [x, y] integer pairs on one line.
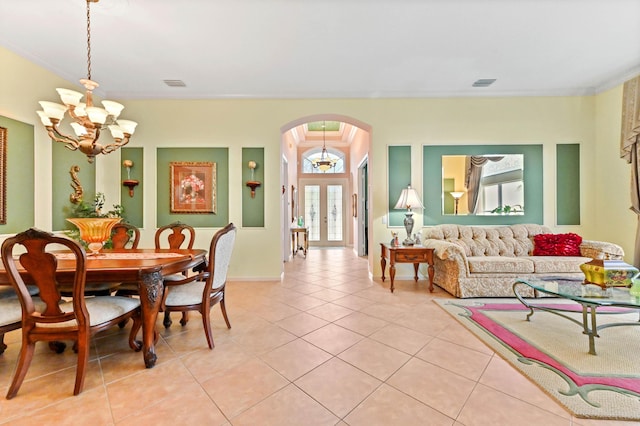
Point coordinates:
[[432, 184]]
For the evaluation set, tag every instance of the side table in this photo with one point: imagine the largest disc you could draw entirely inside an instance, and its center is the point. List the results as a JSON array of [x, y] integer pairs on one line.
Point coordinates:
[[295, 240], [406, 254]]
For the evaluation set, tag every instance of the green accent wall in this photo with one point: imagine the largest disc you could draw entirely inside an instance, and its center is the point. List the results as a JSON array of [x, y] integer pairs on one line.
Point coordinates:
[[64, 159], [568, 184], [253, 208], [20, 181], [399, 177], [432, 184], [220, 156], [133, 206]]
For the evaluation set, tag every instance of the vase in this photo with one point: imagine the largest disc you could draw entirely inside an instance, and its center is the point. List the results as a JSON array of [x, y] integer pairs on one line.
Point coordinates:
[[95, 231]]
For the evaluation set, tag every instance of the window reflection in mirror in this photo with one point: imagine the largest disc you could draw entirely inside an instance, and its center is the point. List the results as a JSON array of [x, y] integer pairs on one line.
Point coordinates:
[[483, 184]]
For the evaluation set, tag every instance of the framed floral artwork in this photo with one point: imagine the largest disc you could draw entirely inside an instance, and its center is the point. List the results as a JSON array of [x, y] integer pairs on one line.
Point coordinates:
[[193, 187]]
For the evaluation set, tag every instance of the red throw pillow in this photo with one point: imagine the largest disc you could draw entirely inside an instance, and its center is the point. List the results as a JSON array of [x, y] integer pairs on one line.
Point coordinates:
[[557, 244]]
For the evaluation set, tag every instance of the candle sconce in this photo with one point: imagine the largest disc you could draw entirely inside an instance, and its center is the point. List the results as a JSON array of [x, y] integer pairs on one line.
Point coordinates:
[[128, 182], [253, 184]]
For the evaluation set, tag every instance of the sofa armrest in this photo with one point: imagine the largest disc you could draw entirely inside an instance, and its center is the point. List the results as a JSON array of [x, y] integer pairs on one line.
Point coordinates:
[[445, 250], [601, 250]]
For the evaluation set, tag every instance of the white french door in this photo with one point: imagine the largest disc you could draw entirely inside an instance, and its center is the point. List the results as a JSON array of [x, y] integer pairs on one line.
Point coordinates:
[[324, 211]]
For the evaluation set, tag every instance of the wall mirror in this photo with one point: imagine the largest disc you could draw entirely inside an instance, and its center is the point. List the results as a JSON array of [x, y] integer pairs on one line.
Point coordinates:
[[502, 199], [486, 184]]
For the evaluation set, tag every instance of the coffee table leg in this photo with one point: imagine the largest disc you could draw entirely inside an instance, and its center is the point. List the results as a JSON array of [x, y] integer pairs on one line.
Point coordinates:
[[592, 332]]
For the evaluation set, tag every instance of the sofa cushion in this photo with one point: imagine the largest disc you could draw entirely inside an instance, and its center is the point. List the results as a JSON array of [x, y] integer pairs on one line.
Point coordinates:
[[512, 240], [557, 244], [558, 264], [500, 265]]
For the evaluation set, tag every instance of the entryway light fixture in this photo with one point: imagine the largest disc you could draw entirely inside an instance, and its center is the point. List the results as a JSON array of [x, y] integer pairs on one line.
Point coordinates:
[[88, 120], [323, 163]]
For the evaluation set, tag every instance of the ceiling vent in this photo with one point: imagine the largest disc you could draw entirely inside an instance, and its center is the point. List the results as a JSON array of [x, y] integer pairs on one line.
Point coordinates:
[[484, 82], [175, 83]]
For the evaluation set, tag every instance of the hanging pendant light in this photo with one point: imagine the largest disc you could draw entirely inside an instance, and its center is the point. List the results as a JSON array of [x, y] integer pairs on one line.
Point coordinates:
[[324, 163], [88, 120]]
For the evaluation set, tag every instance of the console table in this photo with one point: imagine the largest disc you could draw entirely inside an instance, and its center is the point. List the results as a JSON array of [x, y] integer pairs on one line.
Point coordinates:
[[406, 254], [296, 244]]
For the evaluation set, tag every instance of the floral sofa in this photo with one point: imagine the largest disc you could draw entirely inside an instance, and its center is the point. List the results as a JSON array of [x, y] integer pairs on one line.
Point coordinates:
[[485, 261]]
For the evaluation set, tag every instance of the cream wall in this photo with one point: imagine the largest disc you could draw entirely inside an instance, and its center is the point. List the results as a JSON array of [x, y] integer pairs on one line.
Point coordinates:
[[615, 221], [592, 121]]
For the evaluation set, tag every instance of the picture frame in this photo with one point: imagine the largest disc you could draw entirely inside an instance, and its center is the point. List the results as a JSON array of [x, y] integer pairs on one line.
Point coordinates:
[[193, 187], [3, 175], [354, 204]]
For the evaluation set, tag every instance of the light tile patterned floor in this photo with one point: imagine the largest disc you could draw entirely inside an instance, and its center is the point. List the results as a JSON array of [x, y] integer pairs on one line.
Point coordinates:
[[327, 346]]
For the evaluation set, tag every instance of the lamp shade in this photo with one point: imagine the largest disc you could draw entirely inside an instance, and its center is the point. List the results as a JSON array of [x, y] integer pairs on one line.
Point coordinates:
[[457, 194], [409, 199]]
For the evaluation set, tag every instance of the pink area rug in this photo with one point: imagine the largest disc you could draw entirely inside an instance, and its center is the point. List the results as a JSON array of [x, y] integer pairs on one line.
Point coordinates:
[[553, 353]]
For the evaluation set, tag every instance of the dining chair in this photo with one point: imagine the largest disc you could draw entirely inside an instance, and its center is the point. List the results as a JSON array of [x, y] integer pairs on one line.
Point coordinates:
[[176, 235], [125, 236], [202, 291], [57, 319]]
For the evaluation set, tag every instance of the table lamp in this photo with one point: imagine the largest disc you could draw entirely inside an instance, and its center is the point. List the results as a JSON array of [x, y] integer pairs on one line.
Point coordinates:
[[409, 199]]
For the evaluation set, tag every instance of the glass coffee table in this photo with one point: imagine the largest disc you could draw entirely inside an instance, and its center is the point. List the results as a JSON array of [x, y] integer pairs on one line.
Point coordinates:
[[589, 296]]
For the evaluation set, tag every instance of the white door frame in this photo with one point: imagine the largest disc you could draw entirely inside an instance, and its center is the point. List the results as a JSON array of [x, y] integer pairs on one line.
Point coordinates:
[[284, 177], [362, 248]]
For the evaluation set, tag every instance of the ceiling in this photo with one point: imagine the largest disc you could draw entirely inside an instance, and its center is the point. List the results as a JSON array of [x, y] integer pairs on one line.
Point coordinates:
[[295, 49]]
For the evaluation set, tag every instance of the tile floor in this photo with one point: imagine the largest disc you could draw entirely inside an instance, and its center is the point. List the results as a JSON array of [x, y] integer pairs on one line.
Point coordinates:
[[326, 346]]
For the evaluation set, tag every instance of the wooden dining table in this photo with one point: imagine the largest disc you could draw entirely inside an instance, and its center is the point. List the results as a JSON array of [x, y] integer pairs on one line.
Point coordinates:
[[147, 267]]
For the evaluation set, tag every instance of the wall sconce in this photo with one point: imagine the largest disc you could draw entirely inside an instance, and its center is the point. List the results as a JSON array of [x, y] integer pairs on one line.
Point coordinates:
[[253, 184], [456, 196], [128, 182]]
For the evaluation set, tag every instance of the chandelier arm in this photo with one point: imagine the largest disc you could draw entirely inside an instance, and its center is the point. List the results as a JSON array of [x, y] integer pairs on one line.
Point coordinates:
[[117, 144], [58, 136]]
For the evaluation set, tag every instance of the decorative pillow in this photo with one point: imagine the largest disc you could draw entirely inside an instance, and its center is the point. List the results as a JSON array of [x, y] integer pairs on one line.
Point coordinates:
[[557, 244]]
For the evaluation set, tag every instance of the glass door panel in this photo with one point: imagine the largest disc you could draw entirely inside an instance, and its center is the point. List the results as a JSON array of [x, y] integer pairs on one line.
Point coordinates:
[[324, 213]]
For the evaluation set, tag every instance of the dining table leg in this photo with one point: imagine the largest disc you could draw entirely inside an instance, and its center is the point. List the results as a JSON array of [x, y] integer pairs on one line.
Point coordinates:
[[151, 288]]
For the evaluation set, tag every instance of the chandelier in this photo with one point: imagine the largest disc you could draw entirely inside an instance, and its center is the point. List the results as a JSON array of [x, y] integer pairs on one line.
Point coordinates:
[[323, 163], [88, 120]]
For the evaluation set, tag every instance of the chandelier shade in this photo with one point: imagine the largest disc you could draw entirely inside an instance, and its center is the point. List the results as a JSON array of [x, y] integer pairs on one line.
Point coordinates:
[[87, 120], [324, 163]]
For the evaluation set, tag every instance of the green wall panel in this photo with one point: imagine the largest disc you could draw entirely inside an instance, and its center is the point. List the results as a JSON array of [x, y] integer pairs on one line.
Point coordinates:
[[64, 159], [20, 182], [568, 184], [432, 184], [399, 177], [133, 206], [220, 156], [253, 208]]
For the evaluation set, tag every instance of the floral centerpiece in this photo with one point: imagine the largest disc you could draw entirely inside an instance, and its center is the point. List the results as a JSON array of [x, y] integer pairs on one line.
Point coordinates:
[[94, 227]]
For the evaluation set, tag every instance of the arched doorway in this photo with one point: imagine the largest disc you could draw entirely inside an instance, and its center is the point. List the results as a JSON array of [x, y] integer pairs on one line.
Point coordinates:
[[354, 139]]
